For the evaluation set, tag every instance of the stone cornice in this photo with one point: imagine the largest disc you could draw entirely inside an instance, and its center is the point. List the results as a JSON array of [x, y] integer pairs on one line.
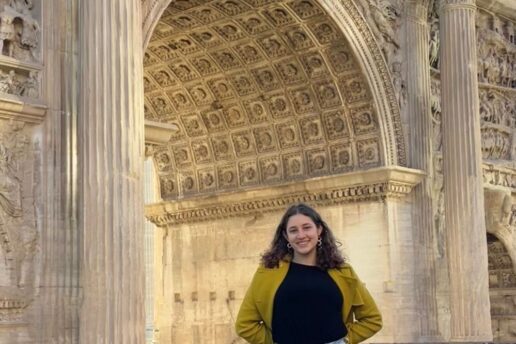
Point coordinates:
[[158, 133], [506, 8], [12, 107], [500, 176], [371, 185]]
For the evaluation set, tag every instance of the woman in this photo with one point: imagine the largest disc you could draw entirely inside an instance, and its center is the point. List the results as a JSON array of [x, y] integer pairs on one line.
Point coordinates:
[[303, 292]]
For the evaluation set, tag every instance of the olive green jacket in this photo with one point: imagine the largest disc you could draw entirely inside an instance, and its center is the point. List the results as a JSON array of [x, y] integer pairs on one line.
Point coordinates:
[[360, 314]]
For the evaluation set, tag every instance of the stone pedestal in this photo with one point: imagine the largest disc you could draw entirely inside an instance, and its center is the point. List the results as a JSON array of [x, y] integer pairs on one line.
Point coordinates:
[[111, 144], [464, 201]]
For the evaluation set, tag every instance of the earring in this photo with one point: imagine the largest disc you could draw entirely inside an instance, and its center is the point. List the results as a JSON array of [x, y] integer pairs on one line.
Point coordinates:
[[319, 242], [289, 246]]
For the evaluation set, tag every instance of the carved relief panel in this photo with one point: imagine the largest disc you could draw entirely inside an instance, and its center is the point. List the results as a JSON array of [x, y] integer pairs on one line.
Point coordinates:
[[19, 234], [498, 124], [502, 290], [496, 50]]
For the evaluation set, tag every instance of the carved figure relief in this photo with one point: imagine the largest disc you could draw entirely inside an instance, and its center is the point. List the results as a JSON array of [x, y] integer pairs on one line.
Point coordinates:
[[383, 17], [434, 42], [18, 84], [435, 104], [19, 31], [496, 50], [502, 282], [19, 237], [498, 120], [500, 219]]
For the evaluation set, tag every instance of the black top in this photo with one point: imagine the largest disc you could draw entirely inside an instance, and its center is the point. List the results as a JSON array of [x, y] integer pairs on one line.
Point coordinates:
[[307, 308]]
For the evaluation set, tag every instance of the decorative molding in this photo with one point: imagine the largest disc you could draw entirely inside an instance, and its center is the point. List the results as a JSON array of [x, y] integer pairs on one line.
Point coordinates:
[[372, 185], [12, 310], [495, 175], [381, 82], [158, 133], [12, 107], [506, 8]]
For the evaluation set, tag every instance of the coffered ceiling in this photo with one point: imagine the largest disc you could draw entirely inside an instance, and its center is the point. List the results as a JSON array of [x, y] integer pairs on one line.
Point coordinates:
[[263, 92]]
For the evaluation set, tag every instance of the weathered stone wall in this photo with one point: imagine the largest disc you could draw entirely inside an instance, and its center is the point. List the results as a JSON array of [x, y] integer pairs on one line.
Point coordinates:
[[207, 268]]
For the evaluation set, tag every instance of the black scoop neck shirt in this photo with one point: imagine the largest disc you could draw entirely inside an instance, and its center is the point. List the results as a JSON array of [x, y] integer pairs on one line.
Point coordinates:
[[307, 308]]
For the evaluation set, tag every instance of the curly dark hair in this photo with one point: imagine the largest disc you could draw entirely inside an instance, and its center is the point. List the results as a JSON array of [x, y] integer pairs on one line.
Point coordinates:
[[328, 254]]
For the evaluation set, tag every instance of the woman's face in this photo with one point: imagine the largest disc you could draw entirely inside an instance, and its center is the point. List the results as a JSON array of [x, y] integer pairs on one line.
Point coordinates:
[[302, 234]]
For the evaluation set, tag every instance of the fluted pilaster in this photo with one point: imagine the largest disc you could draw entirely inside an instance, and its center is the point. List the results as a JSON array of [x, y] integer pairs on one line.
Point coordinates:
[[464, 201], [111, 143], [418, 107]]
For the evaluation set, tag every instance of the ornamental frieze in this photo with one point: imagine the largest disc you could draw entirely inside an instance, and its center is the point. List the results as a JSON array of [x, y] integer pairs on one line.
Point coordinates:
[[387, 183]]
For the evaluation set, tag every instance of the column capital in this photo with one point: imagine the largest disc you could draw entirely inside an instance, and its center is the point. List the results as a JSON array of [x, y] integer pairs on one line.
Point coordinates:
[[458, 4], [417, 11]]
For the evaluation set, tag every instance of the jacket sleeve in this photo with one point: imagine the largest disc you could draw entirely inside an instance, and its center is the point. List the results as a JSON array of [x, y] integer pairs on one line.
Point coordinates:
[[367, 318], [249, 323]]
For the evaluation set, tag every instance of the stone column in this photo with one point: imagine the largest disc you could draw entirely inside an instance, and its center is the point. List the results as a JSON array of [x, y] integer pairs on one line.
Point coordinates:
[[111, 146], [464, 198], [420, 157]]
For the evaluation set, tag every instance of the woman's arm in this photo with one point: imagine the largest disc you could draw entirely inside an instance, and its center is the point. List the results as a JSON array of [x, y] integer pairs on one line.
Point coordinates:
[[249, 323], [367, 317]]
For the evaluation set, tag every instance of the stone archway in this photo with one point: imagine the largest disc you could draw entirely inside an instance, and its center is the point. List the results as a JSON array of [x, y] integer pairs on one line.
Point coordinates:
[[362, 43], [194, 83]]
